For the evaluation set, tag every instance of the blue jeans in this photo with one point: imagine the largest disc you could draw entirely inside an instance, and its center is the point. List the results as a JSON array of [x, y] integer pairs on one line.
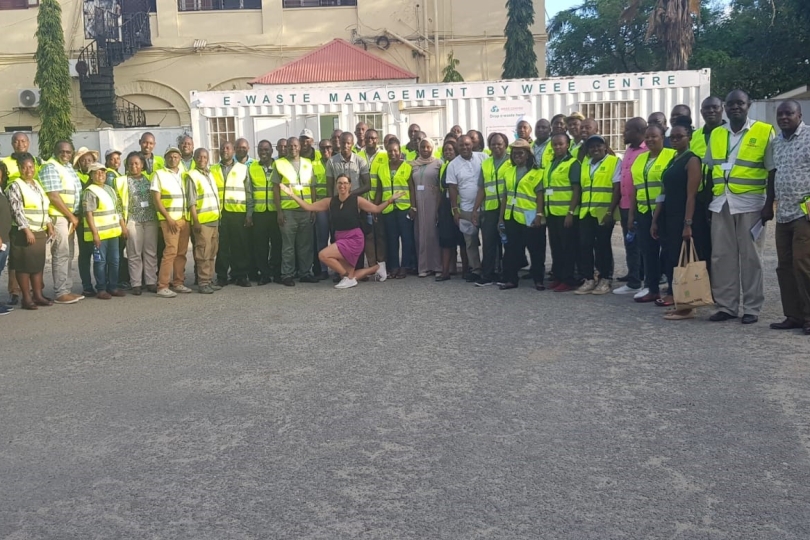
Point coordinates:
[[106, 270], [399, 227]]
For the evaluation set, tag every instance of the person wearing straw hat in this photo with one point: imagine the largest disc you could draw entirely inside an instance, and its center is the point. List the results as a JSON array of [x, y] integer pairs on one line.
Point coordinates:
[[82, 159], [169, 196], [103, 227], [62, 184]]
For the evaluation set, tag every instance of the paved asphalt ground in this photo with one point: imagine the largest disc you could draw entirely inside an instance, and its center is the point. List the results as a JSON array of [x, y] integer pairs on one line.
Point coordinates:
[[407, 409]]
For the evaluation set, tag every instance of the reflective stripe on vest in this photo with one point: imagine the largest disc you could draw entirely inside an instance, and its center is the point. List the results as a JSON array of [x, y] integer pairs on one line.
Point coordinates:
[[522, 195], [597, 191], [398, 183], [262, 188], [319, 171], [647, 178], [493, 182], [172, 194], [748, 174], [68, 192], [300, 182], [35, 205], [208, 207], [557, 183], [232, 189], [105, 216], [380, 159], [698, 146]]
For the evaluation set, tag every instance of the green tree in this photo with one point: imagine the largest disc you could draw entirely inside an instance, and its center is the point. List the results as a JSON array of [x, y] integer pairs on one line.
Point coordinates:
[[671, 23], [581, 42], [450, 72], [52, 78], [520, 61]]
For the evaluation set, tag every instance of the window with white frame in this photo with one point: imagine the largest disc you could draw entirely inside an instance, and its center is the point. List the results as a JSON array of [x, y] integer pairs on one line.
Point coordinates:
[[610, 116], [220, 130], [372, 120]]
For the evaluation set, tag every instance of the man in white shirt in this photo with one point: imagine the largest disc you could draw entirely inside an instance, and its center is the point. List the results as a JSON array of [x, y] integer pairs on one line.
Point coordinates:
[[739, 203], [462, 181]]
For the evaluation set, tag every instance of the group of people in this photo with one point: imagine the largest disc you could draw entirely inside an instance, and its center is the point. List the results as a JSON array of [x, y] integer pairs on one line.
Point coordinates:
[[364, 208]]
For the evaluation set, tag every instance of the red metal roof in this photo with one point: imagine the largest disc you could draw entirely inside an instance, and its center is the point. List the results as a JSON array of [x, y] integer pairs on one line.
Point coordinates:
[[337, 61]]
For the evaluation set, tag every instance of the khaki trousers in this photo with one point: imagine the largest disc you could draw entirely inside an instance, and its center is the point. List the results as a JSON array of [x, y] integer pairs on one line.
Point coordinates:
[[205, 252], [63, 249], [174, 255], [793, 268]]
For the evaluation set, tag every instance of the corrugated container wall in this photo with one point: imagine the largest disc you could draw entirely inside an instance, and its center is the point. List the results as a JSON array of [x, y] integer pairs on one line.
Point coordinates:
[[485, 106]]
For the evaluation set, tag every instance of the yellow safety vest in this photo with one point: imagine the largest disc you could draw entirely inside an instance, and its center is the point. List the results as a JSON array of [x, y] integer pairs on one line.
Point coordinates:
[[647, 177], [157, 163], [547, 156], [748, 173], [521, 196], [122, 188], [232, 189], [184, 169], [105, 216], [262, 188], [377, 160], [319, 171], [14, 168], [398, 183], [409, 155], [597, 191], [493, 182], [208, 205], [172, 194], [68, 192], [300, 182], [35, 205], [557, 185]]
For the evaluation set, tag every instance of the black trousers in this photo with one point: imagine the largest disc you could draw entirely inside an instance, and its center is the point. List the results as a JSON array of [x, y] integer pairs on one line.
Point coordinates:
[[564, 248], [519, 238], [491, 240], [266, 242], [234, 246], [595, 248], [650, 252]]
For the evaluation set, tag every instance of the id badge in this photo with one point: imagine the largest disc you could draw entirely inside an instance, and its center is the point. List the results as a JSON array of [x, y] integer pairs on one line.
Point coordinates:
[[726, 166], [144, 204], [549, 192], [420, 188], [512, 201]]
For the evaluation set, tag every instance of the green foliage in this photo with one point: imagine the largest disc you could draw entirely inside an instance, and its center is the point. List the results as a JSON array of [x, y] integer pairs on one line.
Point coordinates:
[[520, 61], [756, 45], [52, 78], [450, 72]]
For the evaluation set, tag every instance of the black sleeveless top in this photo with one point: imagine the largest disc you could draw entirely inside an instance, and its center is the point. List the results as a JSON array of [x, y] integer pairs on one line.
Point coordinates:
[[344, 216]]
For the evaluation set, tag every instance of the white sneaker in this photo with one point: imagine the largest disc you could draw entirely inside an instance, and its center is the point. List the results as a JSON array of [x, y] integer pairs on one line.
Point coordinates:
[[587, 287], [346, 283], [181, 289], [624, 289], [603, 287], [381, 273], [166, 293], [643, 292]]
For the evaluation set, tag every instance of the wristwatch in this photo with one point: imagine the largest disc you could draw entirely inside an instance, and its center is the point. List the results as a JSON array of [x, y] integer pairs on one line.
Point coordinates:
[[687, 222], [570, 212]]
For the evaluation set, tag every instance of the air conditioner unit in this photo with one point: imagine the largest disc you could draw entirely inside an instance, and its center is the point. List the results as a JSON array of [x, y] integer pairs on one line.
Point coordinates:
[[28, 98]]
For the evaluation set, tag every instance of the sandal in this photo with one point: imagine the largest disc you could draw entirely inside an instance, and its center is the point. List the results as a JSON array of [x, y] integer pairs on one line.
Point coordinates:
[[45, 302], [661, 302], [675, 316], [32, 306]]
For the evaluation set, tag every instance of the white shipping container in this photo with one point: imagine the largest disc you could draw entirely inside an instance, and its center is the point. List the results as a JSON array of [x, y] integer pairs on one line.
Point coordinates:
[[273, 112]]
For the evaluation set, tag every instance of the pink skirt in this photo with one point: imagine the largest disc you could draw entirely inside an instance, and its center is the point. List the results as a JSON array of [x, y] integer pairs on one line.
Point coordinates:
[[351, 244]]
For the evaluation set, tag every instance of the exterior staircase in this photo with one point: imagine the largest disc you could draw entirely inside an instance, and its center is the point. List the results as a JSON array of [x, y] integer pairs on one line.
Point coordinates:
[[116, 39]]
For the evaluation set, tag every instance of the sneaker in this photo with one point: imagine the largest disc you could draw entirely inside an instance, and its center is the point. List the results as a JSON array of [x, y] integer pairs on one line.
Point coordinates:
[[166, 293], [4, 310], [381, 274], [15, 300], [68, 299], [483, 282], [215, 287], [346, 283], [206, 289], [181, 289], [587, 287], [626, 289], [603, 287], [642, 292]]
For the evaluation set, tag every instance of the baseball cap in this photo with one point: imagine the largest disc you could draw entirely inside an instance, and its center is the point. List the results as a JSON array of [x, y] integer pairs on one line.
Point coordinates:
[[95, 167], [307, 133], [171, 149], [110, 152]]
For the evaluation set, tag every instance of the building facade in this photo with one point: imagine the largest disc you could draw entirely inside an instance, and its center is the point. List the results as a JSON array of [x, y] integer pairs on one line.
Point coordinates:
[[135, 62]]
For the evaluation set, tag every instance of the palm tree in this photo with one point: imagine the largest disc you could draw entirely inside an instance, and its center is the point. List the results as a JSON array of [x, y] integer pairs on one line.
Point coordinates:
[[672, 24]]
